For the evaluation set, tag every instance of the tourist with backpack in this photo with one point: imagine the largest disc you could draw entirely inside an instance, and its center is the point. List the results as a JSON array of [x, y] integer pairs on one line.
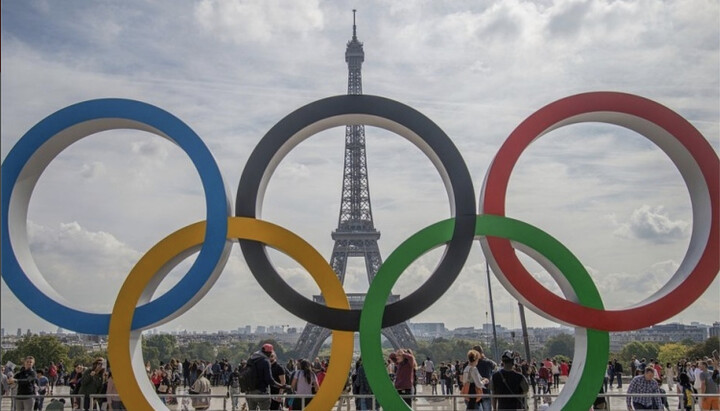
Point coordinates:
[[256, 378]]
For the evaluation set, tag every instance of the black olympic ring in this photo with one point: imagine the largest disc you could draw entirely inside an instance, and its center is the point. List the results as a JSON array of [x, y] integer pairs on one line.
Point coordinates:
[[354, 110]]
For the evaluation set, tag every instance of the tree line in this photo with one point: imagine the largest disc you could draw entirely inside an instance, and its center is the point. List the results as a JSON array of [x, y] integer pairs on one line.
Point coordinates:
[[161, 347]]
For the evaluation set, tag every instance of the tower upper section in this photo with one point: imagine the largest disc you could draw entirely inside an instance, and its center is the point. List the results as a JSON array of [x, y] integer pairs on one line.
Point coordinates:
[[354, 56]]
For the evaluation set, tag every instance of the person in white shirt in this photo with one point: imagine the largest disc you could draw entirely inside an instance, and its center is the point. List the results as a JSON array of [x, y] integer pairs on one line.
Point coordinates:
[[696, 373], [429, 369], [471, 378]]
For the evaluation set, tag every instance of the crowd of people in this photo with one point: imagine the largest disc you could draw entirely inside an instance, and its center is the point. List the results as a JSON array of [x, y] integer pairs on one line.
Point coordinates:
[[262, 381], [687, 378], [29, 385]]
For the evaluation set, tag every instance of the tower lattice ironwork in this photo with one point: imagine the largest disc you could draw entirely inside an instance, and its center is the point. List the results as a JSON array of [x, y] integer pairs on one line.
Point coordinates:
[[356, 235]]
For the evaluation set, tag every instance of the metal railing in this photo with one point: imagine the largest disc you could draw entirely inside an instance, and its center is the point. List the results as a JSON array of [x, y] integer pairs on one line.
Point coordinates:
[[454, 402]]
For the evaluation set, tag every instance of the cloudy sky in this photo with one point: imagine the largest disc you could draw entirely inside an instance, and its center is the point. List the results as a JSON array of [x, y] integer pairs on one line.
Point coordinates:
[[232, 69]]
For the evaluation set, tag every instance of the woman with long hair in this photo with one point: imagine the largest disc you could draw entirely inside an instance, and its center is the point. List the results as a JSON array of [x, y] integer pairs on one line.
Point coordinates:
[[305, 384]]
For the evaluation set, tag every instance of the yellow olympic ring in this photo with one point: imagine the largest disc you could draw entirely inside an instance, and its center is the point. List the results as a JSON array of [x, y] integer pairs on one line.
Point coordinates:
[[132, 384]]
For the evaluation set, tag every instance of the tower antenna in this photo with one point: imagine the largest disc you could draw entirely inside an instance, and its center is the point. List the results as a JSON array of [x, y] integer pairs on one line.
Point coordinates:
[[354, 27]]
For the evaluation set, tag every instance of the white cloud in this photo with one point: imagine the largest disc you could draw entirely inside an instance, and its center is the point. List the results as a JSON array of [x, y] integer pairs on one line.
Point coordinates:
[[86, 267], [654, 225], [243, 21], [92, 170]]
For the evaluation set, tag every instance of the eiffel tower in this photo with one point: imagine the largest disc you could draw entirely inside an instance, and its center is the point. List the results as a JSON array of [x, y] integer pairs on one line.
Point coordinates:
[[356, 235]]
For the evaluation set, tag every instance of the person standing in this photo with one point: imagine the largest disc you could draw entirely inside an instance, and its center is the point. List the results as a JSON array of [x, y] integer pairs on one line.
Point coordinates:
[[233, 388], [26, 380], [708, 386], [42, 387], [404, 378], [544, 379], [201, 388], [565, 369], [279, 374], [91, 382], [443, 369], [555, 368], [52, 376], [644, 384], [429, 369], [696, 375], [62, 375], [508, 382], [618, 369], [472, 378], [361, 387], [685, 389], [669, 376], [305, 384], [532, 374], [260, 361], [186, 373], [486, 367], [448, 379]]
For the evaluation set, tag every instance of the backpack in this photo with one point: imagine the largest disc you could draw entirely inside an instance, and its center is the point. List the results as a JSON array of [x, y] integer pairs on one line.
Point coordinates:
[[247, 377]]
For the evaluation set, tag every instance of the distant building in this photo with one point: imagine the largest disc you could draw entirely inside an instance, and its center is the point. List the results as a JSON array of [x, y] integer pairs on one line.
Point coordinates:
[[715, 330], [19, 332], [661, 333], [432, 330], [260, 329]]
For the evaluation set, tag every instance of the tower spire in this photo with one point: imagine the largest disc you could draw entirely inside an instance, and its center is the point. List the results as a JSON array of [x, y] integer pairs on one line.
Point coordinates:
[[354, 27]]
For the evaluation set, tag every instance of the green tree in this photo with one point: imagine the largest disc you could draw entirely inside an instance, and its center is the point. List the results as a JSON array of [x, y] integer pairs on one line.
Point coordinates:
[[160, 347], [443, 349], [45, 348], [76, 355], [639, 350], [704, 349], [201, 350], [561, 344], [671, 353], [11, 355]]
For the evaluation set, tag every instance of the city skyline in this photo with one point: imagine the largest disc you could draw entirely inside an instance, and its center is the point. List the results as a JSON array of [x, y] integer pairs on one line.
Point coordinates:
[[232, 70]]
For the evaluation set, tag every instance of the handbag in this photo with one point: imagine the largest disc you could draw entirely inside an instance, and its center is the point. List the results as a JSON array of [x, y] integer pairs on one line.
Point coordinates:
[[162, 388]]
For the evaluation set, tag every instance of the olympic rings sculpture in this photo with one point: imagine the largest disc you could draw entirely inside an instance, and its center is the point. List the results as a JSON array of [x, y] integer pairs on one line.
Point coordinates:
[[499, 236]]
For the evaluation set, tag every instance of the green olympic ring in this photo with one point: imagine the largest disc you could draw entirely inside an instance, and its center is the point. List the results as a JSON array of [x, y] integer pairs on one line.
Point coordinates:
[[591, 365]]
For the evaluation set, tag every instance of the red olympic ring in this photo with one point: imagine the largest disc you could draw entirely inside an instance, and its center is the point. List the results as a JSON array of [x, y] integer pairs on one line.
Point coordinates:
[[689, 151]]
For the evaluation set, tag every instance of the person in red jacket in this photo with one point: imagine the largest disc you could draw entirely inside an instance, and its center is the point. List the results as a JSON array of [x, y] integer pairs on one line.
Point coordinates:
[[544, 379], [405, 370], [564, 368]]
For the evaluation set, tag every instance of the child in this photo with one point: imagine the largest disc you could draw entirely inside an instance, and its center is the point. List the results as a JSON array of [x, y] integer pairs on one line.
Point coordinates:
[[42, 385], [434, 383]]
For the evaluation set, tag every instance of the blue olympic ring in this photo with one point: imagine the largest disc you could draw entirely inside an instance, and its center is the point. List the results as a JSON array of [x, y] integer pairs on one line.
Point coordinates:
[[27, 160]]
